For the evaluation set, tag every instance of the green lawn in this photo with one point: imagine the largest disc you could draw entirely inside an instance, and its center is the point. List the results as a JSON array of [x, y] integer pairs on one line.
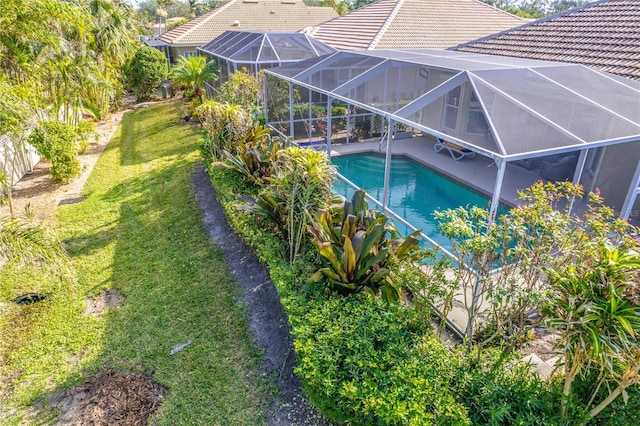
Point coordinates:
[[139, 232]]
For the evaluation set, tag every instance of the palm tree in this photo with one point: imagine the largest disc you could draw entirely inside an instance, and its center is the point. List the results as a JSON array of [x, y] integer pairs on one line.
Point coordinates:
[[114, 36], [193, 72], [29, 243]]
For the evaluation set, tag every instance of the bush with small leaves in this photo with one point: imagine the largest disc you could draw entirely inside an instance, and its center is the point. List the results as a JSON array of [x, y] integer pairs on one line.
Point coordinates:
[[56, 141], [363, 362], [145, 71]]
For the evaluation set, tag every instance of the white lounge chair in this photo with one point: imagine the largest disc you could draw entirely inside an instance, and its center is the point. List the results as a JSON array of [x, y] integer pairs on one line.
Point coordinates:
[[317, 145], [457, 152]]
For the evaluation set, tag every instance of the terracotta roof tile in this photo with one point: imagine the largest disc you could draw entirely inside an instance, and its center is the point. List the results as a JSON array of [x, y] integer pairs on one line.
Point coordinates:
[[604, 35], [265, 15], [404, 24]]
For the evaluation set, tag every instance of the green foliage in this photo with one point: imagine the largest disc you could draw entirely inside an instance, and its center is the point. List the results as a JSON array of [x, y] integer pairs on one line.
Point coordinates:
[[146, 70], [193, 72], [226, 126], [56, 141], [64, 161], [605, 338], [590, 299], [365, 363], [85, 130], [242, 89], [501, 261], [511, 395], [33, 245], [301, 184], [359, 246], [536, 9], [256, 156]]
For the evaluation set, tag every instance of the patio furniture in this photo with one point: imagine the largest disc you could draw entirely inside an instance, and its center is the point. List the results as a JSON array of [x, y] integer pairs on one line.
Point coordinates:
[[457, 152], [313, 145]]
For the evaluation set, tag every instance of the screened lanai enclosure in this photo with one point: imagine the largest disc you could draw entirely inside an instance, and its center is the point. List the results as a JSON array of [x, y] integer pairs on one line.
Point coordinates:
[[256, 50], [499, 124]]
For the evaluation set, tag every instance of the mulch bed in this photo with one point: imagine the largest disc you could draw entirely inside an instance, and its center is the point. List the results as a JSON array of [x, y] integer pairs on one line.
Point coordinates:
[[111, 397]]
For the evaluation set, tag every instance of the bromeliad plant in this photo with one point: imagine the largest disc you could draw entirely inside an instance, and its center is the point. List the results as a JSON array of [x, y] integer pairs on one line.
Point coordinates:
[[360, 246], [256, 155]]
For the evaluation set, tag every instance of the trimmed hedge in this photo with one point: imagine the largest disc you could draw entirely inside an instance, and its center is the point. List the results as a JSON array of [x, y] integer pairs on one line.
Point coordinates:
[[365, 363]]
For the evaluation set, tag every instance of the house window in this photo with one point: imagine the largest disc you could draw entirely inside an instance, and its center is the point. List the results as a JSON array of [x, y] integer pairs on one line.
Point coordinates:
[[190, 53], [476, 123], [451, 107]]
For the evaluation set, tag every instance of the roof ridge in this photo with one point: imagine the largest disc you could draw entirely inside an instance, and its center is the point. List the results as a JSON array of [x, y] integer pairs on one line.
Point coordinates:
[[530, 24], [192, 24], [386, 24], [215, 12]]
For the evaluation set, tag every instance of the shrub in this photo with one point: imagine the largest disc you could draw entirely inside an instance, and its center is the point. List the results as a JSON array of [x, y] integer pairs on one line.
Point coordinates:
[[502, 394], [64, 161], [55, 140], [365, 363], [256, 155], [242, 89], [226, 125], [145, 71], [300, 186], [605, 338]]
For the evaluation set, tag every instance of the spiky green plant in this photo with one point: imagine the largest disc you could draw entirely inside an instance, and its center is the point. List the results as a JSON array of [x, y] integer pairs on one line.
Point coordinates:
[[193, 72], [597, 325], [32, 244], [360, 246]]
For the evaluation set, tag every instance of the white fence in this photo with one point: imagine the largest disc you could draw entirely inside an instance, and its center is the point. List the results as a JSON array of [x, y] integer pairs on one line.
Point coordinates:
[[16, 160]]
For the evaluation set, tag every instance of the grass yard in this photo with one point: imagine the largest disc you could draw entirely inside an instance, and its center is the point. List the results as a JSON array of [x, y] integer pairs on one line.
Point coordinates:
[[138, 233]]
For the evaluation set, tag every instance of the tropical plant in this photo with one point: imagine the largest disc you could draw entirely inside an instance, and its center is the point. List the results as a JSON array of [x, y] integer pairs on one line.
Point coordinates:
[[146, 70], [31, 244], [114, 37], [256, 155], [360, 247], [226, 126], [597, 326], [193, 72], [301, 183], [499, 264]]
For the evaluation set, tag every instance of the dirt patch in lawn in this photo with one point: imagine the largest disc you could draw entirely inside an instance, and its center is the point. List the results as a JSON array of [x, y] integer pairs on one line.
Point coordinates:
[[110, 397], [106, 300]]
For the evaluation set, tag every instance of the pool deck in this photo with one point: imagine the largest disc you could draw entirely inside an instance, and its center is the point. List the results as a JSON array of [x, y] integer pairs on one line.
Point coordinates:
[[478, 172]]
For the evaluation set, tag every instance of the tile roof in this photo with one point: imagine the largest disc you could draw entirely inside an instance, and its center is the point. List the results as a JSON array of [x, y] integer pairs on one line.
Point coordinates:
[[266, 15], [406, 24], [604, 35]]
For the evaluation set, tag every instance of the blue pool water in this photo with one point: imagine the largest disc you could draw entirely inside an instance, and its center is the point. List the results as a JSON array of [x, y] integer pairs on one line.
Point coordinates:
[[415, 191]]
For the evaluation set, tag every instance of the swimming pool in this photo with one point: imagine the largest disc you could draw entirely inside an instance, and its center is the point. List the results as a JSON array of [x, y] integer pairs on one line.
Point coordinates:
[[415, 191]]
